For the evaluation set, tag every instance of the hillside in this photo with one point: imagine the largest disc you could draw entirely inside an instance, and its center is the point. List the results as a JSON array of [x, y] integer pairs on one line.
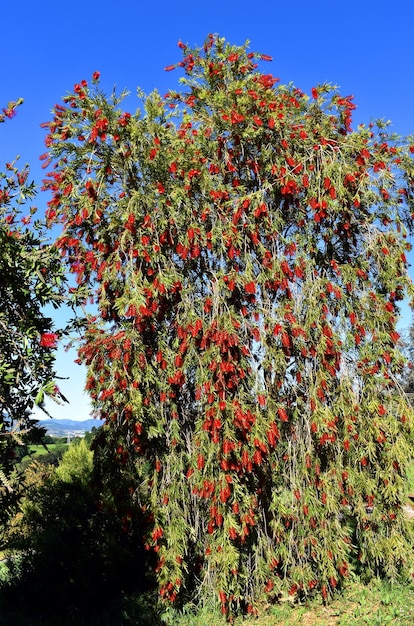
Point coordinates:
[[67, 427]]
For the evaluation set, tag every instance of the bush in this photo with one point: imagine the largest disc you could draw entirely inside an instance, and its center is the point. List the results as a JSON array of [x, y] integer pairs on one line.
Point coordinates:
[[69, 550]]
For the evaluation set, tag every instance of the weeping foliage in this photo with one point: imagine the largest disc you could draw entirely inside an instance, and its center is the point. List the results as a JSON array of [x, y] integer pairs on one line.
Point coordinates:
[[246, 253]]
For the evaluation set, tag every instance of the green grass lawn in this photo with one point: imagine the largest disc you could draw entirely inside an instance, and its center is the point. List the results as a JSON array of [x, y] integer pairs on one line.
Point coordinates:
[[46, 455], [375, 604], [39, 450]]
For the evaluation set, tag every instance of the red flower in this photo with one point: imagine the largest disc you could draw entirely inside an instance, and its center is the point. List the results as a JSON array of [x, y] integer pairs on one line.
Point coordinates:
[[236, 117], [282, 414], [157, 533], [48, 340], [96, 75]]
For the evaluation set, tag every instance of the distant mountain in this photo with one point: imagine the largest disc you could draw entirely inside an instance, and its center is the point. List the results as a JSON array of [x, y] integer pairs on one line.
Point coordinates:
[[72, 428]]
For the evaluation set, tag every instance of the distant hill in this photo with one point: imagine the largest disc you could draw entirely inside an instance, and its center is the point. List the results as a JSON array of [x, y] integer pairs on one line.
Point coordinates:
[[66, 427]]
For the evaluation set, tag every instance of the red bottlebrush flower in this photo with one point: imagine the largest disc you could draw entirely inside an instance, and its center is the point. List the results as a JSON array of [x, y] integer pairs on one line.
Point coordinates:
[[250, 288], [315, 93], [232, 533], [192, 173], [285, 340], [282, 414], [262, 399], [236, 117], [96, 76], [124, 119], [394, 336], [157, 533], [343, 569], [48, 340]]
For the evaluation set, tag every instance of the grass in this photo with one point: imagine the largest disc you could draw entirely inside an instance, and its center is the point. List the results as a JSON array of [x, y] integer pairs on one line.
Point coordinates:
[[52, 452], [375, 604], [39, 450]]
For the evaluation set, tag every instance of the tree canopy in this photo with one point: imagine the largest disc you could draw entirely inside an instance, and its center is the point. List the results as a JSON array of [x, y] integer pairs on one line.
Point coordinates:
[[245, 250], [31, 278]]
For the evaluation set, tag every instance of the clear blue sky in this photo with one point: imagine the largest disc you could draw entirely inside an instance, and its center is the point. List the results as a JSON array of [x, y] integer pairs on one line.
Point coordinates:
[[363, 46]]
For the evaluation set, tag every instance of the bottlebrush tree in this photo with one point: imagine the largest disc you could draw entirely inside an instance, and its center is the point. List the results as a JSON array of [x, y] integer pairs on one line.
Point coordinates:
[[31, 275], [246, 252]]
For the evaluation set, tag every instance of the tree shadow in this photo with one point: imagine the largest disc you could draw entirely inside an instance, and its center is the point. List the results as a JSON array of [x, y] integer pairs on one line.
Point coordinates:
[[74, 561]]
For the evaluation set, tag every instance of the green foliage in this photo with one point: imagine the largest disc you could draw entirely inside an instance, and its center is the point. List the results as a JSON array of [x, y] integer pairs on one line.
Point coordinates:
[[31, 278], [76, 464], [90, 435], [246, 250], [67, 546]]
